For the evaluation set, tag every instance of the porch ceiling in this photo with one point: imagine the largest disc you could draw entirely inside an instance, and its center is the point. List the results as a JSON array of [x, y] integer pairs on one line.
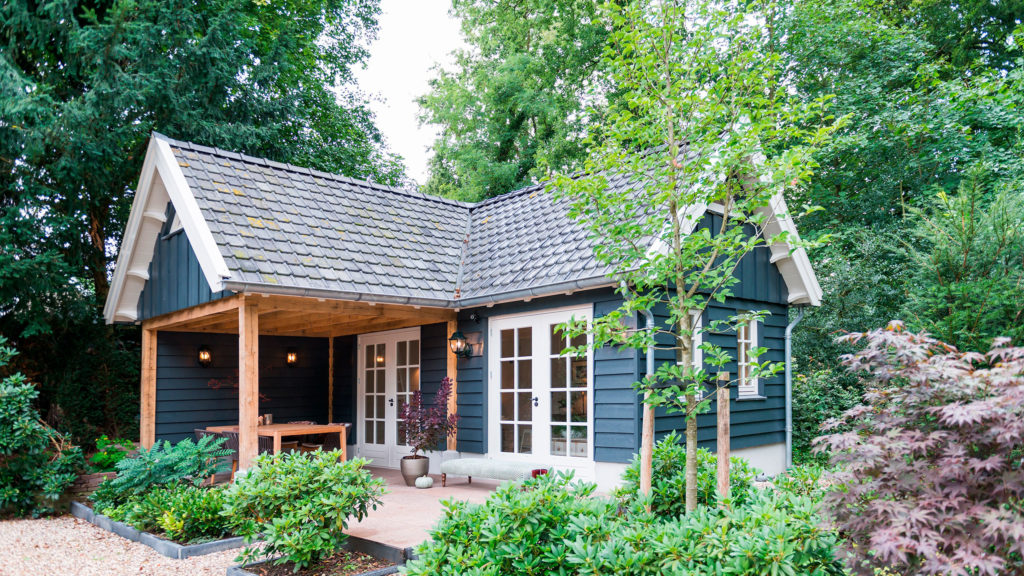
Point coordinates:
[[299, 316]]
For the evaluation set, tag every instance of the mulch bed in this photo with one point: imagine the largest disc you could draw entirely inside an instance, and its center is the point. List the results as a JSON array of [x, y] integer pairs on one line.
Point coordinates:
[[343, 563]]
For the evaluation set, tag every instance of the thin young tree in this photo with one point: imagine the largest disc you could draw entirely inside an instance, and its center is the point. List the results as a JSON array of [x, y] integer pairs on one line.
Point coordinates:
[[702, 122]]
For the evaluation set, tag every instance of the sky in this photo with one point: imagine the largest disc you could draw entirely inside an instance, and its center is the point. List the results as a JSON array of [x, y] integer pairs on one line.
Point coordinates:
[[413, 36]]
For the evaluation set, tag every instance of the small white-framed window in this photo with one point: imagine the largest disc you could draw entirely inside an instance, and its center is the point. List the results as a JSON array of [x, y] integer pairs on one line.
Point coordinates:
[[697, 325], [746, 342]]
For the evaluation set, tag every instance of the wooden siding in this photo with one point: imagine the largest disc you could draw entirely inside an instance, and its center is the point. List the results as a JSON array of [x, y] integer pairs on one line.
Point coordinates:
[[185, 401], [345, 367], [754, 422], [616, 425], [175, 279]]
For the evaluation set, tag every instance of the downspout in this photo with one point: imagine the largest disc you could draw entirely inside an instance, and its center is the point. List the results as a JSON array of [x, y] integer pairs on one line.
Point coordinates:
[[789, 385], [647, 433]]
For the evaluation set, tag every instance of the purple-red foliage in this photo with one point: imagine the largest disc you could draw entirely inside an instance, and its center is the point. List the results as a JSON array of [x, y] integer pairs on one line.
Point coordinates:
[[930, 478], [428, 426]]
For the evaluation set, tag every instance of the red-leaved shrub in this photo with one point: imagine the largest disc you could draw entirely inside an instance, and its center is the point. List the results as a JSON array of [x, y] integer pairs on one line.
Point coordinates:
[[930, 474]]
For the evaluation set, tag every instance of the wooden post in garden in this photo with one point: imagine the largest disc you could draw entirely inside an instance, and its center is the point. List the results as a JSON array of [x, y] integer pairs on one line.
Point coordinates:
[[723, 434], [248, 382]]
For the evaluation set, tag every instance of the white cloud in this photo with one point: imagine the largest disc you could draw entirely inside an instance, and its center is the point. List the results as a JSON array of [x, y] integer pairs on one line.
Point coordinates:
[[414, 35]]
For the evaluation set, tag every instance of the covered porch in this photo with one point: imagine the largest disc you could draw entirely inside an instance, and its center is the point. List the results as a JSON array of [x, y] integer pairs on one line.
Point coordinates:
[[298, 362]]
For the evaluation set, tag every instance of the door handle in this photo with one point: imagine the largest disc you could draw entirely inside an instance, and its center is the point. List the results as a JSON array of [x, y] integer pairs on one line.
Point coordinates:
[[536, 401], [391, 402]]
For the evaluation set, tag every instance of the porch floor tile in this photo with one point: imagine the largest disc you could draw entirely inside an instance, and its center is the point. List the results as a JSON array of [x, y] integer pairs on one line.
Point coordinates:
[[409, 512]]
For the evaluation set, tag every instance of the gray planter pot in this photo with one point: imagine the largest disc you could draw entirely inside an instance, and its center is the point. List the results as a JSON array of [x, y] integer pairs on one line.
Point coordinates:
[[413, 468]]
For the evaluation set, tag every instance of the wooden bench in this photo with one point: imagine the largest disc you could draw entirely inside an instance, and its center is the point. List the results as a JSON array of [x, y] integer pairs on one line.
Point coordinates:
[[492, 469]]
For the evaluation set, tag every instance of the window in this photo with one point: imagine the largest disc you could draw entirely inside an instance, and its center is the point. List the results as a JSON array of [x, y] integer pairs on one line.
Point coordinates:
[[746, 342]]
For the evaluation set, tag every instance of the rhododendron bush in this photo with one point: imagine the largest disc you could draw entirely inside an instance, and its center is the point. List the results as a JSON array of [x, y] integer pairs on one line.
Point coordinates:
[[931, 478]]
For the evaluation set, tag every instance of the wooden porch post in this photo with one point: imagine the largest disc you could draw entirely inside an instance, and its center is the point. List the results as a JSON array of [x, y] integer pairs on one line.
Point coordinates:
[[453, 369], [330, 380], [248, 381], [147, 415]]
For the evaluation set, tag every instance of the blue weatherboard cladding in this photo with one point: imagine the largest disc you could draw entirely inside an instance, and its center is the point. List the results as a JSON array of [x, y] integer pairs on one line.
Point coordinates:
[[616, 408], [754, 422], [345, 367], [175, 279], [185, 400]]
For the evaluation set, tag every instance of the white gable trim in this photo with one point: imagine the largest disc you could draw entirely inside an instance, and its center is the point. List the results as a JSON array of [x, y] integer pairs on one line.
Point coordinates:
[[161, 182]]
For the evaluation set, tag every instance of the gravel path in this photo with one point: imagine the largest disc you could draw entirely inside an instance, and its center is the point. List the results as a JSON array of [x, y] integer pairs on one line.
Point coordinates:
[[69, 546]]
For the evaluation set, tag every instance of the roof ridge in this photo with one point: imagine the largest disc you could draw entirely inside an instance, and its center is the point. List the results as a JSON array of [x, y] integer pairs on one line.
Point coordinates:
[[241, 157]]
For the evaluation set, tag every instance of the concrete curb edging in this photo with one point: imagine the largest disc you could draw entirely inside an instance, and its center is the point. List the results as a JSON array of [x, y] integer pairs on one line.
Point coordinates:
[[164, 547], [398, 556]]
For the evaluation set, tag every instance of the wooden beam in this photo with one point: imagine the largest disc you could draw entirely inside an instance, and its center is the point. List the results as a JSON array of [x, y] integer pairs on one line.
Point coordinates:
[[363, 327], [147, 413], [453, 369], [183, 316], [330, 380], [305, 304], [248, 381], [288, 321], [724, 434]]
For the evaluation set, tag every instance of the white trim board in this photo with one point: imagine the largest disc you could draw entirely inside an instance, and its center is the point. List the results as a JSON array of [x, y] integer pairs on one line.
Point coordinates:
[[161, 182]]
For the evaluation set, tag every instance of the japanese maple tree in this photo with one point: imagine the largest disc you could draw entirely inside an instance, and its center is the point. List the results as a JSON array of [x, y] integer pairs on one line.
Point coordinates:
[[428, 426], [931, 476]]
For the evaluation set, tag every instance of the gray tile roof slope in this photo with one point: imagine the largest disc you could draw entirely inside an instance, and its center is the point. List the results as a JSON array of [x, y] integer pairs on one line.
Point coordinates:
[[525, 241], [286, 227]]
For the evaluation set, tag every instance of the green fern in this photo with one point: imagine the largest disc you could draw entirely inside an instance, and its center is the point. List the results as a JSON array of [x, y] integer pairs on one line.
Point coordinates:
[[161, 465]]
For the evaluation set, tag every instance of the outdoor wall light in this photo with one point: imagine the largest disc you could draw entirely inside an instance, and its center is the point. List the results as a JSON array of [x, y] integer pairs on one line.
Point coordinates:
[[459, 345], [291, 357], [205, 356]]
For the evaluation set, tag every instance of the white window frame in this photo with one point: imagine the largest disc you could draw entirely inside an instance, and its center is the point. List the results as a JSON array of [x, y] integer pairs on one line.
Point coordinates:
[[746, 340]]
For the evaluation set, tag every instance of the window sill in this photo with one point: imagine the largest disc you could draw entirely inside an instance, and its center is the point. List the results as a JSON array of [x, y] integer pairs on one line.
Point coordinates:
[[746, 397]]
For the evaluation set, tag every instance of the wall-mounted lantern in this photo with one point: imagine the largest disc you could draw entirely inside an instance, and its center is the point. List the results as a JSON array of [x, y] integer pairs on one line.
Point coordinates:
[[205, 357], [459, 345], [291, 357]]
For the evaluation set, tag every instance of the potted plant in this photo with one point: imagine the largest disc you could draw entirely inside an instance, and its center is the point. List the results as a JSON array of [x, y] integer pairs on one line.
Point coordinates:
[[425, 428]]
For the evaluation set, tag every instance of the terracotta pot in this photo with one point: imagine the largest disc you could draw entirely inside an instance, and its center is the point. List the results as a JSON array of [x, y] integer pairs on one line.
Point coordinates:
[[414, 467]]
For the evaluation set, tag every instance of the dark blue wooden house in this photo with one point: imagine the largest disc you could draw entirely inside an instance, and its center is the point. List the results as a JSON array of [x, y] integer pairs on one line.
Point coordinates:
[[268, 288]]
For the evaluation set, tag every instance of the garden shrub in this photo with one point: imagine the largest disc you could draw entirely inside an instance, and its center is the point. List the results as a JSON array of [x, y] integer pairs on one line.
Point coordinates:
[[181, 512], [523, 528], [37, 463], [551, 525], [668, 480], [161, 465], [802, 480], [930, 477], [109, 452], [817, 398], [299, 504]]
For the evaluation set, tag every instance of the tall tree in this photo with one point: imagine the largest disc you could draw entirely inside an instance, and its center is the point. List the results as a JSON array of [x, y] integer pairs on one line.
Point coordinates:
[[82, 85], [704, 120], [515, 97]]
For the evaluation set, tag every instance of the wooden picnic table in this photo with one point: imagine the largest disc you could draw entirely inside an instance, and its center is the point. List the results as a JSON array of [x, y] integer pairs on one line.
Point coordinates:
[[278, 431]]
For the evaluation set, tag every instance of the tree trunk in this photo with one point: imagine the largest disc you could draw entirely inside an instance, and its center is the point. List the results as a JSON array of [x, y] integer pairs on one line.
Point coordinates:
[[691, 452], [647, 448]]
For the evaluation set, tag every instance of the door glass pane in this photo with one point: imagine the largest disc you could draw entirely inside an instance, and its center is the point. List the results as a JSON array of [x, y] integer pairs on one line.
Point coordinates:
[[558, 405], [558, 444], [525, 374], [578, 442], [559, 374], [508, 374], [414, 352], [508, 435], [406, 381], [507, 407], [525, 439], [578, 406], [579, 373], [380, 405], [369, 357], [507, 343], [525, 341], [557, 340], [368, 433], [368, 403], [525, 406], [380, 355], [373, 402], [380, 432]]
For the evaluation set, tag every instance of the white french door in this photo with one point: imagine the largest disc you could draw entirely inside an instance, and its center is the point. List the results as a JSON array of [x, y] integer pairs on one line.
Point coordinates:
[[539, 401], [389, 372]]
